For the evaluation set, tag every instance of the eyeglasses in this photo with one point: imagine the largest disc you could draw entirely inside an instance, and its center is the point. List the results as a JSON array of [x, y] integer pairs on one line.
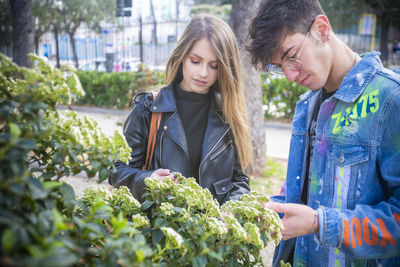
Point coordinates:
[[292, 63]]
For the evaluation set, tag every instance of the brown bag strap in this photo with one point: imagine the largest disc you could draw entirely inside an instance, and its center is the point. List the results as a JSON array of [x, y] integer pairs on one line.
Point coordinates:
[[151, 143]]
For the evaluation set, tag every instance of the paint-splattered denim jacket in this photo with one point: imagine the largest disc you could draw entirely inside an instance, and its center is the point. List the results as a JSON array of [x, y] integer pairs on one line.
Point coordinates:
[[355, 181]]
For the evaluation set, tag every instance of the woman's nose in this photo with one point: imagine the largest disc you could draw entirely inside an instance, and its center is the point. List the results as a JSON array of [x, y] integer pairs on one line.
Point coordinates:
[[203, 72]]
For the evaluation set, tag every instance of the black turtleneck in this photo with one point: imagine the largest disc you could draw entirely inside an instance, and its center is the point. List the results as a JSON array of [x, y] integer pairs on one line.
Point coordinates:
[[193, 111]]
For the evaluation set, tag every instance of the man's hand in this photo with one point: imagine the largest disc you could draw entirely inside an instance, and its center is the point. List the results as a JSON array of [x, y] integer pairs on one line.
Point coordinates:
[[297, 220]]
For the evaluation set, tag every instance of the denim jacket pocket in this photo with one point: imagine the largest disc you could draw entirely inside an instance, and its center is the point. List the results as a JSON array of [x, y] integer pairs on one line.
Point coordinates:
[[348, 172], [223, 186]]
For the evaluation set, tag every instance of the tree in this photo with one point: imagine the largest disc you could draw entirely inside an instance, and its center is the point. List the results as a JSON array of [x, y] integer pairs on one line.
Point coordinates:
[[154, 32], [387, 12], [74, 13], [45, 17], [23, 32], [346, 12], [6, 23], [222, 11], [242, 11]]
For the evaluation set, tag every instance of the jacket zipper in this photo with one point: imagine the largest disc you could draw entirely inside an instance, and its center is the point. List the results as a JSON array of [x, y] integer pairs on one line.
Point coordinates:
[[222, 149], [209, 152]]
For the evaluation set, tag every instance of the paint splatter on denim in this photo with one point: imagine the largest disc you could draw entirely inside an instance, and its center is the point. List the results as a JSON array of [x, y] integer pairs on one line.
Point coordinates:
[[355, 182]]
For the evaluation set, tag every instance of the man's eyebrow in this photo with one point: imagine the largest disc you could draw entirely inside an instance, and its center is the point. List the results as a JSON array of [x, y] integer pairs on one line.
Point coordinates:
[[286, 52]]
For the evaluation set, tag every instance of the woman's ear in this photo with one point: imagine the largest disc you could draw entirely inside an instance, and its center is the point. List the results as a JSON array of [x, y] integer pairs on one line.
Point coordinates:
[[322, 28]]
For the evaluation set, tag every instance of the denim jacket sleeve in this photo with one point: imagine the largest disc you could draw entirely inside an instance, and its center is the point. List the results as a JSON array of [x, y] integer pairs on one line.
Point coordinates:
[[135, 130], [372, 231]]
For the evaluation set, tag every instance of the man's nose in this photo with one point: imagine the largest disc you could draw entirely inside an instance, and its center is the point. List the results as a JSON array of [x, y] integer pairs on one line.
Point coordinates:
[[291, 75]]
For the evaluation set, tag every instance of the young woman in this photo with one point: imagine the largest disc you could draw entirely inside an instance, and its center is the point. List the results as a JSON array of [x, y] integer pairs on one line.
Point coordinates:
[[203, 131]]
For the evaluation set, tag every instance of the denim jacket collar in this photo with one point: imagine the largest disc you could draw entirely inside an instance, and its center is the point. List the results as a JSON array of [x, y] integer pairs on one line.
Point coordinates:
[[358, 78], [355, 80]]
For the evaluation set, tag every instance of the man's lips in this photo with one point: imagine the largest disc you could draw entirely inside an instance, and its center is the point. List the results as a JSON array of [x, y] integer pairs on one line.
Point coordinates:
[[303, 82]]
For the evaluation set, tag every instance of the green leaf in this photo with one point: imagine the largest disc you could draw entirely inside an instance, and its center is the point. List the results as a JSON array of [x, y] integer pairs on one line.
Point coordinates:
[[157, 236], [48, 185], [103, 174], [7, 240], [68, 195], [14, 130], [147, 204], [36, 188], [199, 260]]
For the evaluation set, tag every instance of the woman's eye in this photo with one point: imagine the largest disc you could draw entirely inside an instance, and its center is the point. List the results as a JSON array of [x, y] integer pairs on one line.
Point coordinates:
[[214, 66], [194, 61]]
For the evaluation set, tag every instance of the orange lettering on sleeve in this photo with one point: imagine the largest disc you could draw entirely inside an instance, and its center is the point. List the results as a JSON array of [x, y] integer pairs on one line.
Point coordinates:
[[397, 217], [357, 229], [371, 238], [386, 236], [346, 233]]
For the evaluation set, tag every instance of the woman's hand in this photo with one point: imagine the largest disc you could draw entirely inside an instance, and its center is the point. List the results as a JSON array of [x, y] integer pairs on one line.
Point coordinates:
[[297, 220], [163, 173]]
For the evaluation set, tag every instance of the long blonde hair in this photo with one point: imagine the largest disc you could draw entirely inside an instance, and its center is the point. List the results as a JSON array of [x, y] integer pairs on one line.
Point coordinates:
[[229, 82]]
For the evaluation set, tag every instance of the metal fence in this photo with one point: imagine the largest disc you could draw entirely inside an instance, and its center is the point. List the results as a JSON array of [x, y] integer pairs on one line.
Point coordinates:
[[122, 45]]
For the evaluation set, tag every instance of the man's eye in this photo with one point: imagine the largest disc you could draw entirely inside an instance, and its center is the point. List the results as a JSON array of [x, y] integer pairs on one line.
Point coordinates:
[[293, 56]]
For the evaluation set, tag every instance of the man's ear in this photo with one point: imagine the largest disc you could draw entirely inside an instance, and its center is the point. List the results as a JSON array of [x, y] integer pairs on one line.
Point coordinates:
[[322, 27]]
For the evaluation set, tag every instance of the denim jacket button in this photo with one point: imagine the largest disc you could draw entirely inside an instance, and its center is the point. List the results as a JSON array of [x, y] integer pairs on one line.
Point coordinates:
[[223, 189], [165, 127], [155, 107], [298, 177], [341, 159]]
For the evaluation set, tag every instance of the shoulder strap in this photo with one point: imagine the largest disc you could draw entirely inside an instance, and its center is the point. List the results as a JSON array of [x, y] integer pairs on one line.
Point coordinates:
[[151, 143]]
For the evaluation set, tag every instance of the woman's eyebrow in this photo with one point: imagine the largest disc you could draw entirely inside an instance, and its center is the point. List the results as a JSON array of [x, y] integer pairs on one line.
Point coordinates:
[[194, 54]]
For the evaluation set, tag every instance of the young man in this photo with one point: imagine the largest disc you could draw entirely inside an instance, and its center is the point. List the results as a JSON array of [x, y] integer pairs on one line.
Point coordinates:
[[342, 200]]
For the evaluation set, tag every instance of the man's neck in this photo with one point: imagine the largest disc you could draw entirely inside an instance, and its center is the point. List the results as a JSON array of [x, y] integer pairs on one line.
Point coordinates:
[[344, 61]]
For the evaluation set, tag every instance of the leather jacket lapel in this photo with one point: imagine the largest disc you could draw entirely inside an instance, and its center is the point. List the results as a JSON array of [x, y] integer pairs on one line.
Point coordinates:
[[215, 130], [176, 132]]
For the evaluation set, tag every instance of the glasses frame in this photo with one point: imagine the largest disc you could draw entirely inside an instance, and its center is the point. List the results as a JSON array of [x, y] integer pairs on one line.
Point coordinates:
[[292, 63]]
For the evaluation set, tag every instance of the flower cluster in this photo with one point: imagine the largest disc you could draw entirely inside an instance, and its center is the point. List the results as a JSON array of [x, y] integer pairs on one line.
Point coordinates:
[[240, 228]]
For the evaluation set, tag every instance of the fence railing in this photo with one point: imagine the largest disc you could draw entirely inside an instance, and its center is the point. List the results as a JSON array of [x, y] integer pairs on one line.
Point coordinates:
[[122, 44]]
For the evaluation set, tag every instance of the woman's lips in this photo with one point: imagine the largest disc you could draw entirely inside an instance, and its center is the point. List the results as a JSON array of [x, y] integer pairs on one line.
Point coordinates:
[[199, 83]]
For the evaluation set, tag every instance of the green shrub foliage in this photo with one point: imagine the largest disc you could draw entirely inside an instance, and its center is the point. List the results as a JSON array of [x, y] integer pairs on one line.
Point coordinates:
[[280, 96], [42, 223], [115, 90]]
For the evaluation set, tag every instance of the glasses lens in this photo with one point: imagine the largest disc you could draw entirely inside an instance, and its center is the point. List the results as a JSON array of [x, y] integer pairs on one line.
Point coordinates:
[[293, 64], [274, 69]]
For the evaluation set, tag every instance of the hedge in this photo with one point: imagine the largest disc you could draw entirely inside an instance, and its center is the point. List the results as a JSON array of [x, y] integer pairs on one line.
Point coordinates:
[[115, 90]]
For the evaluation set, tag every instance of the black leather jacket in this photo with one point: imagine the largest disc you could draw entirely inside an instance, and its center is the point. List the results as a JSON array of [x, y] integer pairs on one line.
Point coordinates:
[[219, 169]]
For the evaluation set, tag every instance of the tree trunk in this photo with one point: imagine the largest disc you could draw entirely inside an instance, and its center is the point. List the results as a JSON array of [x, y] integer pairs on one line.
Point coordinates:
[[24, 31], [74, 53], [383, 43], [57, 46], [154, 32], [177, 2], [242, 11]]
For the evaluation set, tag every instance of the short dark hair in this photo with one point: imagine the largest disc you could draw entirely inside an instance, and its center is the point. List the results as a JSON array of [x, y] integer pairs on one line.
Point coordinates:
[[273, 21]]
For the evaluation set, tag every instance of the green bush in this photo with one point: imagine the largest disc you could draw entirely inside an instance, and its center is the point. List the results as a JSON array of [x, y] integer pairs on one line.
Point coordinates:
[[115, 90], [280, 96], [43, 224]]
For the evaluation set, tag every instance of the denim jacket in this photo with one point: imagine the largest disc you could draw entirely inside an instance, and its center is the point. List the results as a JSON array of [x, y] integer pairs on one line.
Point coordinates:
[[355, 181]]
